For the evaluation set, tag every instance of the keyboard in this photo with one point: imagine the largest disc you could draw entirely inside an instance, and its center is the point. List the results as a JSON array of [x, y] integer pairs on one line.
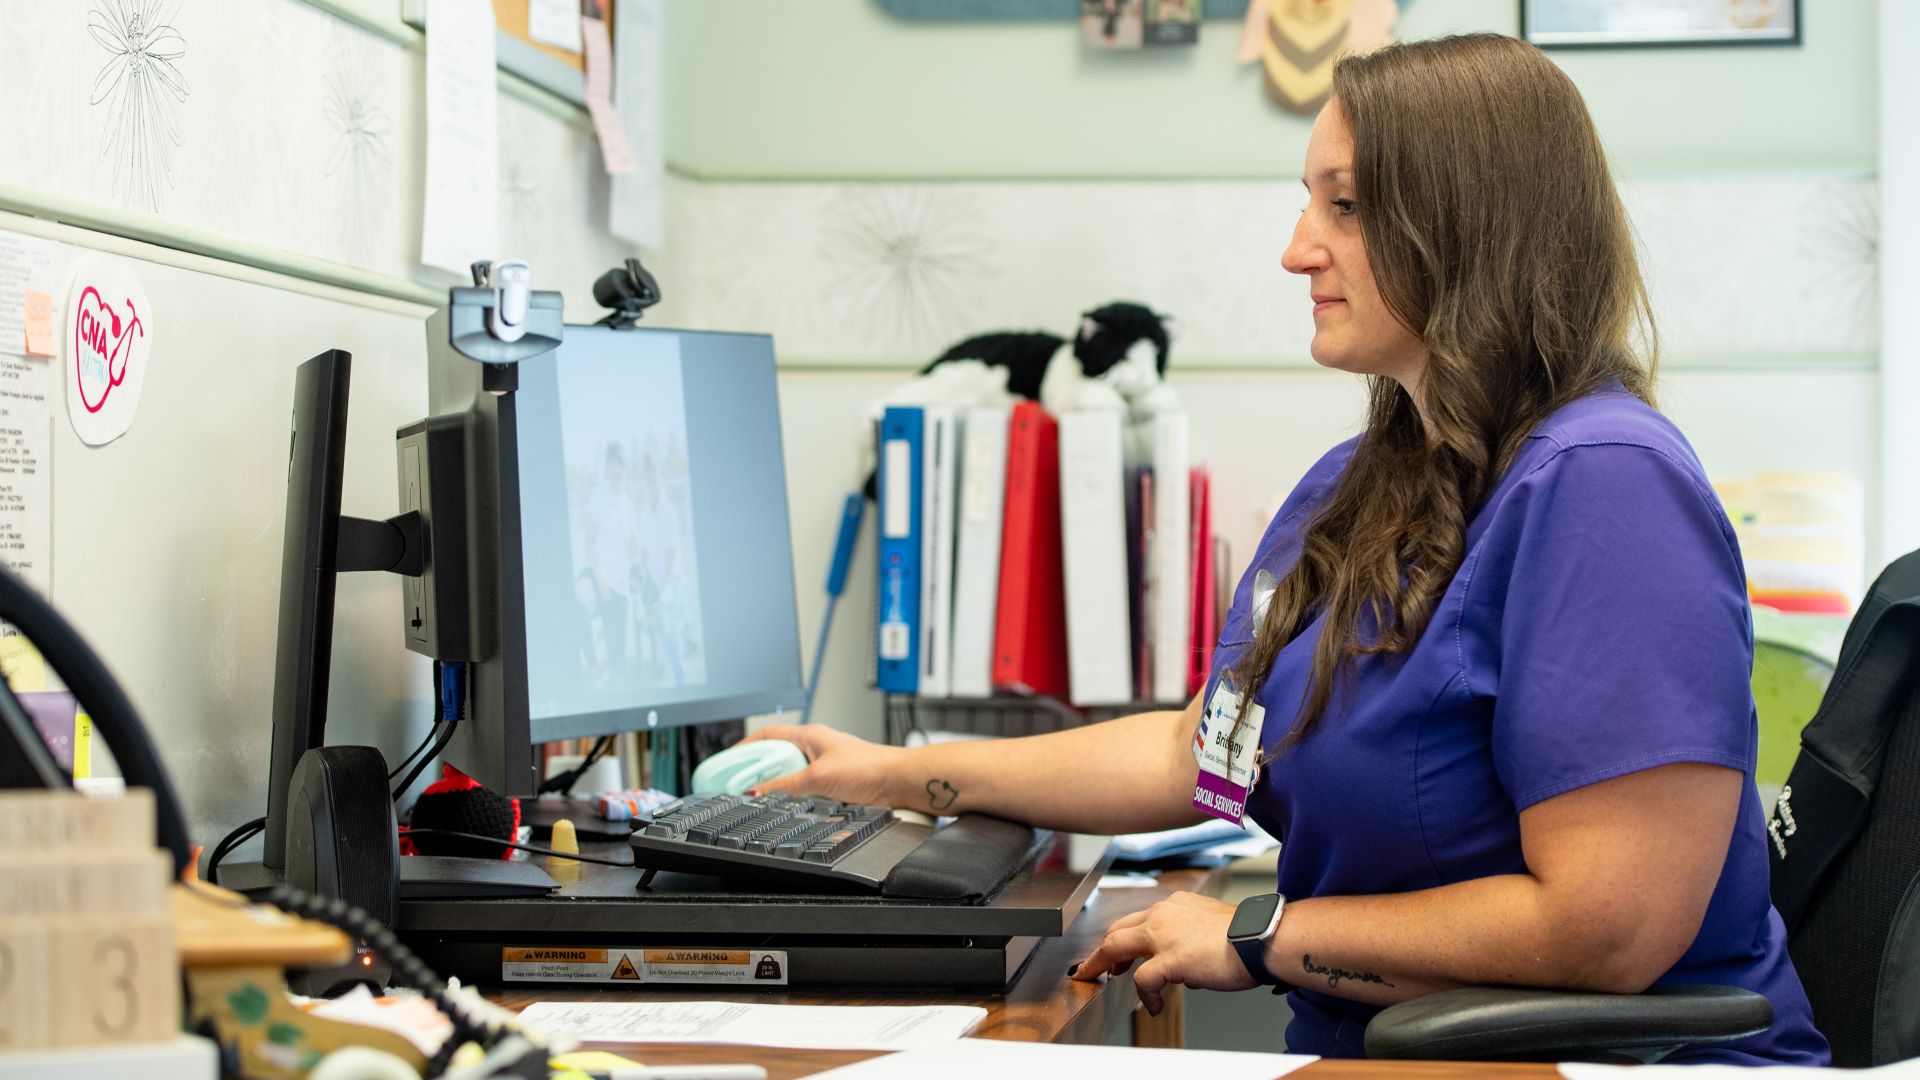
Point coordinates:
[[812, 844]]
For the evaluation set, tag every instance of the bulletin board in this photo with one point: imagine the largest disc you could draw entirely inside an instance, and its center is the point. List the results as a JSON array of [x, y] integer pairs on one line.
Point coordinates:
[[553, 69], [1022, 10], [510, 16]]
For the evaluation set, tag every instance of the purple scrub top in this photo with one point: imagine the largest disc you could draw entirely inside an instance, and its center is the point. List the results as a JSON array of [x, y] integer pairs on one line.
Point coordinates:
[[1598, 625]]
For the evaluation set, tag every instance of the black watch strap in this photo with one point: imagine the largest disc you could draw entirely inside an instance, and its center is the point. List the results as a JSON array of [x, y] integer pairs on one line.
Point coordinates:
[[1254, 923], [1253, 954]]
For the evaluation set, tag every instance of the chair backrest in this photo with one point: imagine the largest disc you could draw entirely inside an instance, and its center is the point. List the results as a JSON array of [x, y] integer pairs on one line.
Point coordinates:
[[1794, 653], [1846, 835]]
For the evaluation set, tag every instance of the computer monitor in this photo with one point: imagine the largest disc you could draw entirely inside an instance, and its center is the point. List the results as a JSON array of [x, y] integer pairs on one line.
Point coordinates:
[[628, 556], [303, 653], [653, 528]]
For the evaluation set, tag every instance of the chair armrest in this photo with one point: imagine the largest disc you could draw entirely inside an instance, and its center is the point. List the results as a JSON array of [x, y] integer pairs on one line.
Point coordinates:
[[1488, 1023]]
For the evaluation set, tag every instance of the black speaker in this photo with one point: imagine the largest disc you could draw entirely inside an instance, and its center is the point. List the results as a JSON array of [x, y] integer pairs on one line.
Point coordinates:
[[343, 843]]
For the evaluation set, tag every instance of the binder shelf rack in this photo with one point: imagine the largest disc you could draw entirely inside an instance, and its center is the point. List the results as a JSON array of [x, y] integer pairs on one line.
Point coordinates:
[[1007, 716]]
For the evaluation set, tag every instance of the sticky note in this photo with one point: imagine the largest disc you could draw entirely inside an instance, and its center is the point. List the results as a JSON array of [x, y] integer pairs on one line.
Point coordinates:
[[21, 665], [82, 744], [585, 1062], [39, 318], [616, 153]]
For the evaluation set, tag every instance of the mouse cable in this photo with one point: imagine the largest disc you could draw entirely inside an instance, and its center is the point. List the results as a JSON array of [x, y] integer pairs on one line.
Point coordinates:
[[458, 835]]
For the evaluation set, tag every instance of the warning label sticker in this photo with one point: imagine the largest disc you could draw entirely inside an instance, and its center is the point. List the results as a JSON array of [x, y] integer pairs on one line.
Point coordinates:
[[715, 966], [558, 965], [706, 967]]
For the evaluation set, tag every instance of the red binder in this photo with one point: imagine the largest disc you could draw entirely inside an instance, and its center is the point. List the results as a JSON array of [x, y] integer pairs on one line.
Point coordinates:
[[1205, 632], [1030, 629]]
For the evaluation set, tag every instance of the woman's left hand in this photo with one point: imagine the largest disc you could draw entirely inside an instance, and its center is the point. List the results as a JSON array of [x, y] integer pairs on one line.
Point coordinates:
[[1180, 940]]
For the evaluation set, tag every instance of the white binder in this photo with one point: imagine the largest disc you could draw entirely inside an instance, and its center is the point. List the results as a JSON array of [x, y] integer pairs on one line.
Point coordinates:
[[1171, 566], [942, 477], [1093, 525], [983, 499]]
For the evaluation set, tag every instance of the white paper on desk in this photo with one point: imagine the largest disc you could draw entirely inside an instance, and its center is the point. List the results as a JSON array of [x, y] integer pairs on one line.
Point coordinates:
[[555, 23], [637, 213], [969, 1059], [26, 470], [1899, 1070], [807, 1027], [461, 224], [1219, 837]]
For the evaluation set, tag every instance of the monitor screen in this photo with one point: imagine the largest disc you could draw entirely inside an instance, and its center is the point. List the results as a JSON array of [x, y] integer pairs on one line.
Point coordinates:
[[654, 538]]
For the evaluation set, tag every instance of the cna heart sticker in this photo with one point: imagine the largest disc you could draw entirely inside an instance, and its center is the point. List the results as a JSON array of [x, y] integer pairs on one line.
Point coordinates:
[[109, 339]]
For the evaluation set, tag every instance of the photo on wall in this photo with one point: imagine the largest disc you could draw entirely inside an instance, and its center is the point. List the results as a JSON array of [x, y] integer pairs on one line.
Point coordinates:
[[630, 517], [1591, 23], [1112, 24], [1172, 22]]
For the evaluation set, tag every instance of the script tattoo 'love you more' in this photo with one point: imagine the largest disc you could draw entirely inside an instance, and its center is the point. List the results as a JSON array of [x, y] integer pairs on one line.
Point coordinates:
[[109, 339]]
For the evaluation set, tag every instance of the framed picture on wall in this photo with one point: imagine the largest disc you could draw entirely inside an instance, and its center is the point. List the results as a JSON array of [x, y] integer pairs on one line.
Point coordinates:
[[1554, 24]]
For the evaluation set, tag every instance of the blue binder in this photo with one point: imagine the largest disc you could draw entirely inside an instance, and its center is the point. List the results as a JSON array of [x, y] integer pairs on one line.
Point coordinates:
[[902, 431]]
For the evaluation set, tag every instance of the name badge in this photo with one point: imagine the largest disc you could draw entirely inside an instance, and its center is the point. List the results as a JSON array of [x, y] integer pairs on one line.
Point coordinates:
[[1225, 750]]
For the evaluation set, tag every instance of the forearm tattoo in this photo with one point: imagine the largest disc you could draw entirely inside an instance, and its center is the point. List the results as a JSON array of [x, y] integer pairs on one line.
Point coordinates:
[[940, 794], [1337, 975]]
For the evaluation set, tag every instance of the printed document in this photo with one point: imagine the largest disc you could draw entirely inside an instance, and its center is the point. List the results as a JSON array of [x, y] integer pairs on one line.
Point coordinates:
[[1899, 1070], [461, 223], [969, 1059], [808, 1027]]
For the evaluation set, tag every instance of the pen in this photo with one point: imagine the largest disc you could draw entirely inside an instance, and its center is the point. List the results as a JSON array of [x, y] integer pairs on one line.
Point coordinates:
[[684, 1072]]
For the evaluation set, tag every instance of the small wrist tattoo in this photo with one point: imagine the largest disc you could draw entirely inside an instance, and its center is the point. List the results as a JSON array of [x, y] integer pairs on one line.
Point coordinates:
[[941, 794], [1336, 975]]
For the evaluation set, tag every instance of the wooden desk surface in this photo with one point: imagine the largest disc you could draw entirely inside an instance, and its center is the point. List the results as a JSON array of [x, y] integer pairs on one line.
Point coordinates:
[[1042, 1005], [794, 1064]]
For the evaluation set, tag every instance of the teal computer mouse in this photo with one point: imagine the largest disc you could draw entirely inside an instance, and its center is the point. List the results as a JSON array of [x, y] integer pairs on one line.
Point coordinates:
[[737, 768]]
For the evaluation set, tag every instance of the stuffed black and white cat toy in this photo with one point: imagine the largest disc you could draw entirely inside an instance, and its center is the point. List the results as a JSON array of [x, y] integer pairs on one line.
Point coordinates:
[[1116, 360]]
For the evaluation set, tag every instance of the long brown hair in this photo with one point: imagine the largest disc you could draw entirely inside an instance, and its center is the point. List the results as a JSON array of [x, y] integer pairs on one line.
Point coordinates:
[[1495, 234]]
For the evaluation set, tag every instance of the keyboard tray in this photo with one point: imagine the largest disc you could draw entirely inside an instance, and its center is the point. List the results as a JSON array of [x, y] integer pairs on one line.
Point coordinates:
[[871, 852]]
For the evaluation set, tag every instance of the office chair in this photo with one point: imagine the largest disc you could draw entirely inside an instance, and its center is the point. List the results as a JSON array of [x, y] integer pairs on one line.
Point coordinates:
[[1793, 658], [1845, 844]]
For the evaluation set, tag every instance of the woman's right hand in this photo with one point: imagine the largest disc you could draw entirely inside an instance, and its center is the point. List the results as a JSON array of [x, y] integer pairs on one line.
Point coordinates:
[[839, 766]]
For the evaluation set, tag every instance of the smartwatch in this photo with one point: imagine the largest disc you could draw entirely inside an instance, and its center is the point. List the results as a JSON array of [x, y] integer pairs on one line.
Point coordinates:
[[1254, 922]]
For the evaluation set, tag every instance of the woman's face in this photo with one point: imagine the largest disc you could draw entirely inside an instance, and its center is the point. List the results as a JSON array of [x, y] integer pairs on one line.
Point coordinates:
[[1352, 328]]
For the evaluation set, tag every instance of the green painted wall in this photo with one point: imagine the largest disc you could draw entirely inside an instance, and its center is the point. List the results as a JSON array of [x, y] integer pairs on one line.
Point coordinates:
[[811, 89]]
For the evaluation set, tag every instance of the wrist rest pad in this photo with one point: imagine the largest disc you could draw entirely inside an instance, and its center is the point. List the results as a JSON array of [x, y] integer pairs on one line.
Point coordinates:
[[967, 860]]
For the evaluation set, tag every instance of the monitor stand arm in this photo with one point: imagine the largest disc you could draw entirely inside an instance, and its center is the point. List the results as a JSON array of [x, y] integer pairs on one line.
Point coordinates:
[[396, 544]]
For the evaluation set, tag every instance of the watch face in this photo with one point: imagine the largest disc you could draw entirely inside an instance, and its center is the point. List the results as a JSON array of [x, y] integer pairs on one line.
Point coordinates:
[[1253, 916]]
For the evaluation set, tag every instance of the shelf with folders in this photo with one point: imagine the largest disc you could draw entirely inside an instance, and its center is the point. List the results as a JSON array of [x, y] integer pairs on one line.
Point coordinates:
[[1006, 716], [1072, 557]]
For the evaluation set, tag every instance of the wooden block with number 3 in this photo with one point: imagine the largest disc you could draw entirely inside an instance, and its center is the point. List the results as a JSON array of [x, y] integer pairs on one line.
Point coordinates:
[[116, 981]]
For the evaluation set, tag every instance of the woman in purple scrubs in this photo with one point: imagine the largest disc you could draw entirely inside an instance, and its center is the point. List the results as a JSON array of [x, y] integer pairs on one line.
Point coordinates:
[[1496, 648]]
